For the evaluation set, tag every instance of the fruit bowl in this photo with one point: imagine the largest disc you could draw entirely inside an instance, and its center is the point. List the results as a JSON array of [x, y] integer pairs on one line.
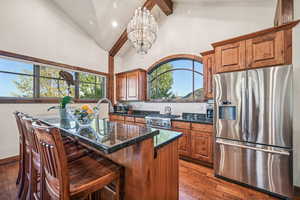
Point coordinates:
[[84, 115]]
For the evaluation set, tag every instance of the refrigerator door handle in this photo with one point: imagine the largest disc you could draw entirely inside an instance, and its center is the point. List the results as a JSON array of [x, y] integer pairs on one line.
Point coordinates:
[[236, 144]]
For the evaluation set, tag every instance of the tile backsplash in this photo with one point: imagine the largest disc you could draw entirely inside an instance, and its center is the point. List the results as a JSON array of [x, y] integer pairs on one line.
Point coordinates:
[[177, 108]]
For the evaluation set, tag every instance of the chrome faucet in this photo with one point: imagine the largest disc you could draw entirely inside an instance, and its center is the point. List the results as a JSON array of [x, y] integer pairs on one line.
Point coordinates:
[[111, 109]]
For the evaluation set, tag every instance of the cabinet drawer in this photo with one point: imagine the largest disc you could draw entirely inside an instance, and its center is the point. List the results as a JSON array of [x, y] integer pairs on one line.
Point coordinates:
[[181, 125], [129, 119], [116, 118], [201, 146], [140, 120], [202, 127]]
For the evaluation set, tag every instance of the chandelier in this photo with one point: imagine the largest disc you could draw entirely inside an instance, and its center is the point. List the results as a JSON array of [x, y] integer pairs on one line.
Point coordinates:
[[142, 30]]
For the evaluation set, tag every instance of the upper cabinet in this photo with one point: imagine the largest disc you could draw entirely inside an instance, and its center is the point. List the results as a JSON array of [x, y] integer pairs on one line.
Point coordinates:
[[208, 58], [131, 85], [231, 57], [264, 48]]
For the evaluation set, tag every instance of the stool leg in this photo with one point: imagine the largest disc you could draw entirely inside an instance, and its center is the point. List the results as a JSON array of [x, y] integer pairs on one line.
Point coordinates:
[[117, 189]]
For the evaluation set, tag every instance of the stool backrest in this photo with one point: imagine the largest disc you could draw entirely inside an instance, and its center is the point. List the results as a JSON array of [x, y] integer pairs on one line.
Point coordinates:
[[54, 161]]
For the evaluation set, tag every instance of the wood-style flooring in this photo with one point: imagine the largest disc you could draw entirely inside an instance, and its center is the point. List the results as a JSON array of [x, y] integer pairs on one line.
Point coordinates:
[[195, 183]]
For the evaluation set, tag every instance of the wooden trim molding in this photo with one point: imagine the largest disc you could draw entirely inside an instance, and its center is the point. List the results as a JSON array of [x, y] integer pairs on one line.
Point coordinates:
[[284, 12], [111, 79], [258, 33], [174, 57], [133, 70], [47, 62], [165, 5], [9, 160], [16, 100], [205, 53]]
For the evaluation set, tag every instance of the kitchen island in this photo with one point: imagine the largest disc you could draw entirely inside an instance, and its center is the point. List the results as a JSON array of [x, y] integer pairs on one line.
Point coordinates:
[[149, 156]]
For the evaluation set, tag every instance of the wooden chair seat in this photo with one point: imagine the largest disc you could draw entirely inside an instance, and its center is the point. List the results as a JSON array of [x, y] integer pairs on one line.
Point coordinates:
[[90, 173]]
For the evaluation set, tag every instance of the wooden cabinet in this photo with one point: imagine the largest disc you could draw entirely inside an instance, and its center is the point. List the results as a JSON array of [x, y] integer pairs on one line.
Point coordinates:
[[195, 143], [231, 57], [131, 85], [121, 87], [269, 47], [266, 50], [201, 146], [184, 142], [208, 58]]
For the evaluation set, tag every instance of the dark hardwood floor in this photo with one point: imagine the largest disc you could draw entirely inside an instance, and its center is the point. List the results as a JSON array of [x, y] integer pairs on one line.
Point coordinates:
[[196, 183]]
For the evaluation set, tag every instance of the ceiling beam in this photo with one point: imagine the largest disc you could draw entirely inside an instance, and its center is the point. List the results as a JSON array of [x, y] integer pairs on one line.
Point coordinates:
[[284, 12], [165, 5]]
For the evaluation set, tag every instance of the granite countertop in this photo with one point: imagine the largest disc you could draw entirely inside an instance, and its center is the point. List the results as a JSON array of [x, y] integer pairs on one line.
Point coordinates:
[[103, 135], [108, 136]]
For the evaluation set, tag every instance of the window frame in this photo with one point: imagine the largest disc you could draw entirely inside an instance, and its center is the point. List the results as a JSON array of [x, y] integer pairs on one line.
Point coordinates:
[[36, 62], [167, 59]]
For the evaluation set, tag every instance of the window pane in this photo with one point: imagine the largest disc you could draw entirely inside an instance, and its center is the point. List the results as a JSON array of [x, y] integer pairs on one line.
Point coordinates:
[[182, 63], [12, 85], [91, 91], [182, 84], [198, 67], [199, 91], [86, 77], [15, 66], [54, 88], [162, 86], [52, 72]]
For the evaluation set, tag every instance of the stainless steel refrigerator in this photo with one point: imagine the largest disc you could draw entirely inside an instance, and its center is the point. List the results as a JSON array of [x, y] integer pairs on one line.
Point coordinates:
[[253, 128]]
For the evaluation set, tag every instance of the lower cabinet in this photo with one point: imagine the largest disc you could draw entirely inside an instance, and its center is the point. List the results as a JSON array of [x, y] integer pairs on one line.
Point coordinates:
[[184, 142], [201, 146], [196, 142]]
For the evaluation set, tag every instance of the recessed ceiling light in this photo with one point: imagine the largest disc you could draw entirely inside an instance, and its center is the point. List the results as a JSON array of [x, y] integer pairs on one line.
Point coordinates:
[[115, 5], [114, 24], [91, 22]]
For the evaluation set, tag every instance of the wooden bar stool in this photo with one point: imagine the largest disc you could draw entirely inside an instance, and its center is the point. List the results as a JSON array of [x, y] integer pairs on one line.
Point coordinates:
[[77, 179], [30, 172], [22, 157]]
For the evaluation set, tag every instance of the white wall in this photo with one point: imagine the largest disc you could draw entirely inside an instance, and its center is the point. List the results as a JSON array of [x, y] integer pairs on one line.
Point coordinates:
[[38, 28], [9, 139], [193, 27], [296, 64]]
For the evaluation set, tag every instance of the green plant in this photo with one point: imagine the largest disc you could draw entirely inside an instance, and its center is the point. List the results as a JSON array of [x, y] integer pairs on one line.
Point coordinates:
[[62, 103]]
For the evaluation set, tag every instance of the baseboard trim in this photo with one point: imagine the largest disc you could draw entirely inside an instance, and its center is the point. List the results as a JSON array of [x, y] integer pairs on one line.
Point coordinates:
[[196, 161], [9, 160]]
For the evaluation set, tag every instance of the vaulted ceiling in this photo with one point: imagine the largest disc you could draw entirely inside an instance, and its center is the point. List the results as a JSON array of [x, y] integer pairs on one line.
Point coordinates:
[[105, 20]]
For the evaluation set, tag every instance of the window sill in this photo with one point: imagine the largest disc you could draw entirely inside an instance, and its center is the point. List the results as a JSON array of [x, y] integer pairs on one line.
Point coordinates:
[[169, 101], [40, 100]]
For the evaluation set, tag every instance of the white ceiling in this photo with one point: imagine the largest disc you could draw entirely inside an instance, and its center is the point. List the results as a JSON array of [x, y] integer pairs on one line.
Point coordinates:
[[95, 17]]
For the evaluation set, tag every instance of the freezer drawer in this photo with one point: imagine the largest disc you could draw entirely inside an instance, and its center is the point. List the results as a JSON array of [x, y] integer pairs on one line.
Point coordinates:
[[267, 168]]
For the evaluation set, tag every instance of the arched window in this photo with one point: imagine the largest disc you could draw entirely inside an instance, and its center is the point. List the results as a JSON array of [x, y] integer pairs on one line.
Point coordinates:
[[176, 79]]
